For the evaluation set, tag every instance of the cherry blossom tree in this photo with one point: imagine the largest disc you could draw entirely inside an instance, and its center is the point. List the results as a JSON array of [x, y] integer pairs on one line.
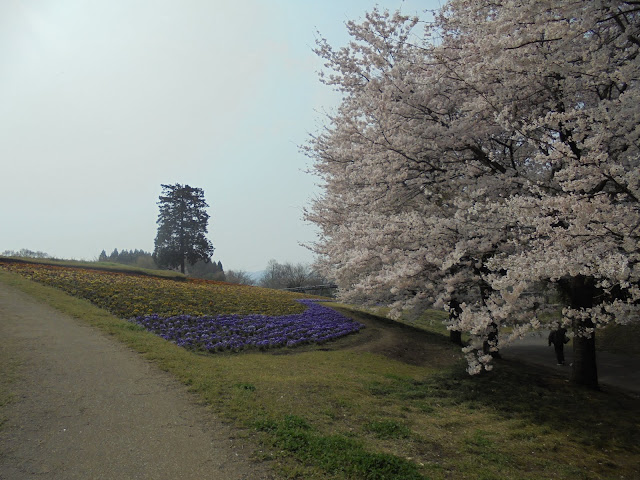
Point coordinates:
[[494, 153], [562, 77]]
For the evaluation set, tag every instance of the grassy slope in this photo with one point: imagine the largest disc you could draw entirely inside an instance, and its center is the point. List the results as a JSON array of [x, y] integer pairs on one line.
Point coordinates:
[[343, 410], [621, 339], [105, 266]]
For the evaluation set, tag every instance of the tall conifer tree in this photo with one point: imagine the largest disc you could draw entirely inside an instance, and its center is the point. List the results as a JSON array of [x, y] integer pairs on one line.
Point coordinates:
[[182, 227]]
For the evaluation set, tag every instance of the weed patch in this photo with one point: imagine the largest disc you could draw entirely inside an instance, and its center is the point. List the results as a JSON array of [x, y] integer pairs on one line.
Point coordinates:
[[388, 429], [246, 387]]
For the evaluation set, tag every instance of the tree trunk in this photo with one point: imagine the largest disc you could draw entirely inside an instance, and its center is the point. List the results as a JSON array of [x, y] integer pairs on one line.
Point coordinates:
[[584, 371], [491, 342], [183, 221], [454, 312]]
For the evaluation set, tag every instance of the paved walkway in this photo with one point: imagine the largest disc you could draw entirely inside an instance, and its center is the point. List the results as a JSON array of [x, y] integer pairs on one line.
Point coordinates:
[[613, 370], [88, 408]]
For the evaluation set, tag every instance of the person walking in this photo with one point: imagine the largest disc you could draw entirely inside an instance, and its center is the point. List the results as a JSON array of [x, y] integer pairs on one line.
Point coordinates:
[[559, 338]]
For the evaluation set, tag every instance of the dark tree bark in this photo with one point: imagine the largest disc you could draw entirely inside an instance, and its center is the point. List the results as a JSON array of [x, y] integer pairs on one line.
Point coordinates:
[[581, 292], [584, 370], [454, 312], [490, 344], [456, 337]]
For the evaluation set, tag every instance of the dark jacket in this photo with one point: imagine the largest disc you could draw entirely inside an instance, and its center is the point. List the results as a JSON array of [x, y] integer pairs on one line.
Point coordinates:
[[558, 337]]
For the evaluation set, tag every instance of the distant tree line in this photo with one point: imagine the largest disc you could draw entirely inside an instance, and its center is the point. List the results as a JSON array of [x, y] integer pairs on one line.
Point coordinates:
[[239, 276], [290, 276], [140, 258], [277, 275], [25, 253]]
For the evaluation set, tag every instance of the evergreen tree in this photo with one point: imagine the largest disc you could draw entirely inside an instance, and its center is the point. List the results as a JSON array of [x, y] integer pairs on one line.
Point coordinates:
[[207, 270], [182, 226], [103, 256]]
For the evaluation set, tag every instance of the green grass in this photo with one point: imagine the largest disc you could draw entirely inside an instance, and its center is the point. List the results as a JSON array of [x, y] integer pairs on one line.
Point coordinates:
[[334, 453], [355, 409], [388, 429], [622, 339], [430, 320]]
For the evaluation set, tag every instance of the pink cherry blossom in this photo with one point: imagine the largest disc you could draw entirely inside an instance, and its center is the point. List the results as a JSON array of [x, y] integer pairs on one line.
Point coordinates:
[[492, 158]]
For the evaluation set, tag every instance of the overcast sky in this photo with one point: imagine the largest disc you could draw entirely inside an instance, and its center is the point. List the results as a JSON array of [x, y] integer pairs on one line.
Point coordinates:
[[101, 102]]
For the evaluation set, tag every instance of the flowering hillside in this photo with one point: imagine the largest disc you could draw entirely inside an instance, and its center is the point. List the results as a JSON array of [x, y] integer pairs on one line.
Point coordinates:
[[198, 314]]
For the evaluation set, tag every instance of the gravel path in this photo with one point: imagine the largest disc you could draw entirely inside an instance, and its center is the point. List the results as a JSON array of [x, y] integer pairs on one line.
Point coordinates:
[[86, 407]]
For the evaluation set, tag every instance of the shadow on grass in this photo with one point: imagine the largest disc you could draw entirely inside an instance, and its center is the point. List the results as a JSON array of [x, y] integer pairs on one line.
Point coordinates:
[[592, 418], [398, 341]]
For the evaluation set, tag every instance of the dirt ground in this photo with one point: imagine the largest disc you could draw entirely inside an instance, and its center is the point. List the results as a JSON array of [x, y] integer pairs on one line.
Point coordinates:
[[614, 370], [86, 407]]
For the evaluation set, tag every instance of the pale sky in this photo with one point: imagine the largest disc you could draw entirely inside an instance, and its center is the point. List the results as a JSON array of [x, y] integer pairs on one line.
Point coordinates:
[[101, 102]]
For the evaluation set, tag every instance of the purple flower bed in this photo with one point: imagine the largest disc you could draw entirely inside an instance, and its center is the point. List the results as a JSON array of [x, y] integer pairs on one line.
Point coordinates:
[[317, 324]]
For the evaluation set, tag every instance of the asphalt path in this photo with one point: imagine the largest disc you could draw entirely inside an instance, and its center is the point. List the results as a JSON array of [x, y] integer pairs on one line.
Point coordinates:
[[86, 407], [619, 371]]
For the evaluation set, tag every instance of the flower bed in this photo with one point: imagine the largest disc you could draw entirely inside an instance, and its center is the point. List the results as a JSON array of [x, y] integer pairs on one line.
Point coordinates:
[[128, 295], [317, 324], [197, 314]]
